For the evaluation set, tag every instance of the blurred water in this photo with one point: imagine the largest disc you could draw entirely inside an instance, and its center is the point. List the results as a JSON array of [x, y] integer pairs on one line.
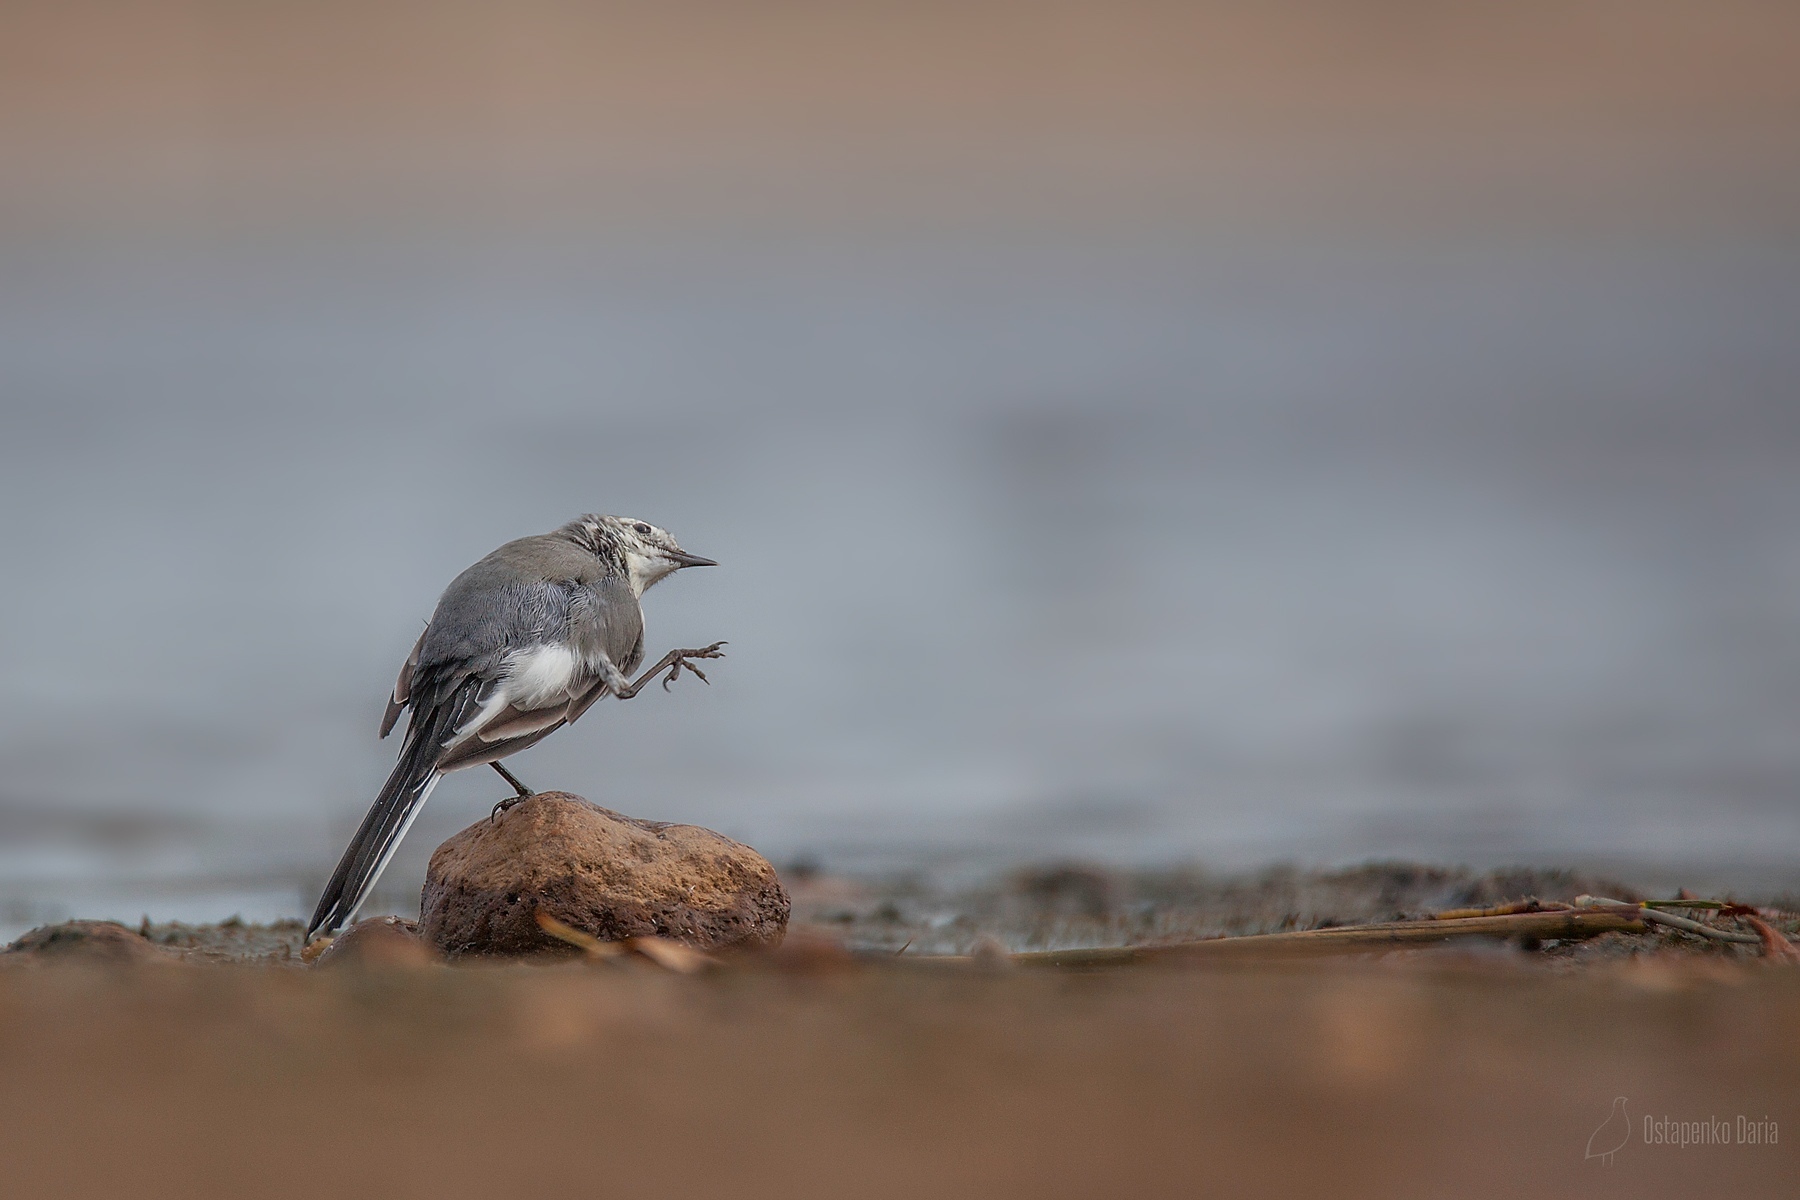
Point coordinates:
[[1151, 546]]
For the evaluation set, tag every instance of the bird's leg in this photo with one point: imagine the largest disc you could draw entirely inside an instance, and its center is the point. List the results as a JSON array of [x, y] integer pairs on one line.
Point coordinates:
[[517, 787], [674, 662], [512, 779]]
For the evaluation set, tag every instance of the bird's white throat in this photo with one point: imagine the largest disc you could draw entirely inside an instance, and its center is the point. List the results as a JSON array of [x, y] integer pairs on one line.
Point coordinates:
[[645, 570]]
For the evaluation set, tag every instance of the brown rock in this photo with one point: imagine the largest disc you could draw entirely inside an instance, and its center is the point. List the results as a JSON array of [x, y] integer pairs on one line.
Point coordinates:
[[380, 942], [605, 874], [89, 942]]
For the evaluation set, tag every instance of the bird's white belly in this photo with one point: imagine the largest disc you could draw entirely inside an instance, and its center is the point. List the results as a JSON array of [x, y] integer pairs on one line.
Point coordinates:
[[539, 676]]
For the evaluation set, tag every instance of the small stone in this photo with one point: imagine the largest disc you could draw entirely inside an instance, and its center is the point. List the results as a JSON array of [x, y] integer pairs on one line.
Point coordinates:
[[379, 942], [990, 953], [87, 942], [605, 874]]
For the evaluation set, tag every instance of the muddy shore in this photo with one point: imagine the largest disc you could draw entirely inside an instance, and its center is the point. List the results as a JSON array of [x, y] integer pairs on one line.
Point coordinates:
[[1073, 905]]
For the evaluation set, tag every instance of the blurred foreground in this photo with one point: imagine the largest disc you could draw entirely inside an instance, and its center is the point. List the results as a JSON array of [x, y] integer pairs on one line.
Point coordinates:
[[1424, 1074], [219, 1065]]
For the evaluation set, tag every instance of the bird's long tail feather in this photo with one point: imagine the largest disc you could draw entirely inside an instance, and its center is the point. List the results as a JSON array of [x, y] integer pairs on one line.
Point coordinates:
[[402, 797]]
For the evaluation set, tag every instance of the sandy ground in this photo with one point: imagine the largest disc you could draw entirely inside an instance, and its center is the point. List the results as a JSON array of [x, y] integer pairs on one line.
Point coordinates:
[[232, 1070], [1436, 1075]]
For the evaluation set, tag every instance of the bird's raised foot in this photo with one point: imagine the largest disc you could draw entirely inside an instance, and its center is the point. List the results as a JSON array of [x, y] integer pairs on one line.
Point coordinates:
[[674, 662], [679, 662]]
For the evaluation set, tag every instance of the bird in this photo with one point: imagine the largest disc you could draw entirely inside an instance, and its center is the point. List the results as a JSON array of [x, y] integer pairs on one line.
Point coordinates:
[[1612, 1135], [520, 644]]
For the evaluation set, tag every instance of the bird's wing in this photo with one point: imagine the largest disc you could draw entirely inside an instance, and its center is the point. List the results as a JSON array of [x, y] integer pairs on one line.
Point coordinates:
[[532, 643], [488, 617], [398, 804], [526, 702], [402, 688], [479, 621], [507, 658], [495, 670], [476, 751]]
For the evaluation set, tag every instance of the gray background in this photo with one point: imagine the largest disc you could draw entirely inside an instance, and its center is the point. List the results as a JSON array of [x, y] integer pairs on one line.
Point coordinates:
[[1140, 434]]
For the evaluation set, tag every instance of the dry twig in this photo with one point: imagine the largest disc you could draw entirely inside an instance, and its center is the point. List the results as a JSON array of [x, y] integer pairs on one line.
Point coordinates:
[[1531, 904], [1658, 917], [1343, 939]]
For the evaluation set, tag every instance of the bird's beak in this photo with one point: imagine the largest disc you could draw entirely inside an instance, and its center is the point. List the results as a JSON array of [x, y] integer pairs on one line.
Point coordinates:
[[683, 558]]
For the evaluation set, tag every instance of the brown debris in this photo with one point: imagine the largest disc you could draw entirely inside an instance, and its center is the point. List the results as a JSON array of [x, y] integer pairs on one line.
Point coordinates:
[[1775, 945], [669, 955], [1528, 928], [1531, 904]]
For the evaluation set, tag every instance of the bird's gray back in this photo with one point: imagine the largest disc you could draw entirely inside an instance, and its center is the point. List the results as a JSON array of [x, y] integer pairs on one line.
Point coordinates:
[[531, 591]]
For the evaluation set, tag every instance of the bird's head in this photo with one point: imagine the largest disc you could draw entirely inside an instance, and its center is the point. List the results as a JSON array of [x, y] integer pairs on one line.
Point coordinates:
[[647, 553]]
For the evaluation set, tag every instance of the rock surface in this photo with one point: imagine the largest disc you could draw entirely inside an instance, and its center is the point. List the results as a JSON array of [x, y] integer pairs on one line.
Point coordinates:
[[606, 874], [86, 941]]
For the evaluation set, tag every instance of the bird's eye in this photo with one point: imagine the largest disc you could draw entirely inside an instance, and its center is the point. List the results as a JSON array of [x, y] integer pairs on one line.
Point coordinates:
[[643, 529]]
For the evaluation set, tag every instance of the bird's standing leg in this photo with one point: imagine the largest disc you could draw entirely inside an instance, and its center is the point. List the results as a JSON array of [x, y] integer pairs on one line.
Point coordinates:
[[517, 787], [674, 662]]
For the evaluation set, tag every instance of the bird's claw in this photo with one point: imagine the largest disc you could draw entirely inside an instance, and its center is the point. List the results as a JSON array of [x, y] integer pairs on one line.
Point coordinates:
[[681, 662], [503, 806]]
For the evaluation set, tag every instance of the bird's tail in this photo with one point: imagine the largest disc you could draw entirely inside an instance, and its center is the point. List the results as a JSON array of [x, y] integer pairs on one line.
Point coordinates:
[[392, 814]]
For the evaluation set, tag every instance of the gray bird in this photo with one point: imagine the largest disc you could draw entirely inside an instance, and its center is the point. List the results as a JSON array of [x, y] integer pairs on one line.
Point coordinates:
[[520, 645]]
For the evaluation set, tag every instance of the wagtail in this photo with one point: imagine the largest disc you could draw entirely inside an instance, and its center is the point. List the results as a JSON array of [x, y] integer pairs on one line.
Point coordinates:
[[520, 645]]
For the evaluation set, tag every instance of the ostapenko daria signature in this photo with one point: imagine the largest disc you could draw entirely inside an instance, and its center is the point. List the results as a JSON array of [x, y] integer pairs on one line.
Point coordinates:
[[1740, 1130]]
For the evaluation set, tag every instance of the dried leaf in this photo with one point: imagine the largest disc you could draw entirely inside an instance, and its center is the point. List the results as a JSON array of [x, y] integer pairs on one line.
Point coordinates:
[[670, 955], [592, 946], [1775, 945]]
